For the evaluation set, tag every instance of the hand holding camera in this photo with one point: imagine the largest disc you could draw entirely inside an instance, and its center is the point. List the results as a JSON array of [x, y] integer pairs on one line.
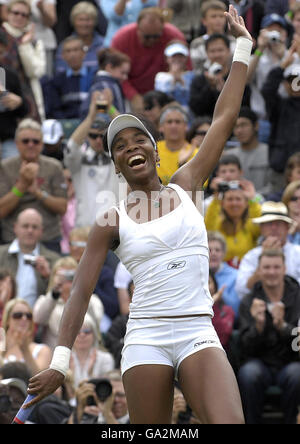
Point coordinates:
[[95, 397]]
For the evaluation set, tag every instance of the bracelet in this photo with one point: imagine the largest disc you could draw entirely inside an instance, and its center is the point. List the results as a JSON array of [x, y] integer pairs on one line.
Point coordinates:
[[258, 53], [243, 50], [112, 110], [17, 192], [61, 359]]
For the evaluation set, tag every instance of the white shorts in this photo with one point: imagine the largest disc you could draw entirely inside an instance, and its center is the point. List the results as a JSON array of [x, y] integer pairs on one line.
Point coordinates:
[[166, 341]]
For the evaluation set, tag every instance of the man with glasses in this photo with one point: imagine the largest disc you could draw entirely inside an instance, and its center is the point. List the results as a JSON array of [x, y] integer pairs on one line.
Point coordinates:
[[92, 169], [31, 180], [28, 260], [145, 42]]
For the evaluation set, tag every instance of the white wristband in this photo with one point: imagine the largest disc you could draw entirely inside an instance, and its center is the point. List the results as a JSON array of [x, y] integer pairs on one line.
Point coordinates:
[[243, 50], [61, 359]]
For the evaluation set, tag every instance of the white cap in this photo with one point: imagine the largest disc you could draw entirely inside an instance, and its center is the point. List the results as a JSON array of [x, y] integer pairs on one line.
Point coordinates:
[[122, 122], [292, 71], [15, 382], [176, 48], [52, 131]]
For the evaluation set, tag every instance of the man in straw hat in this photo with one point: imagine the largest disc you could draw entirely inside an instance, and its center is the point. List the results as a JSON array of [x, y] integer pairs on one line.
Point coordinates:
[[274, 224]]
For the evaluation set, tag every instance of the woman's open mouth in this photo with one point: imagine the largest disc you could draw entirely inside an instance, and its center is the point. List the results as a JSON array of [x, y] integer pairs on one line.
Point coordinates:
[[136, 162]]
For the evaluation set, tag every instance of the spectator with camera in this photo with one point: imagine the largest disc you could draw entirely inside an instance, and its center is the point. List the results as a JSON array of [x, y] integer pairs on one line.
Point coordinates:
[[27, 258], [253, 154], [19, 333], [177, 81], [207, 86], [92, 169], [234, 221], [268, 317], [101, 401], [89, 357], [32, 180], [49, 307], [283, 111], [271, 48], [213, 19]]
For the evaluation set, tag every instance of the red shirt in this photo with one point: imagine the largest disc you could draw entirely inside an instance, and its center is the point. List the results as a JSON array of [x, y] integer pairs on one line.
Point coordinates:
[[145, 62]]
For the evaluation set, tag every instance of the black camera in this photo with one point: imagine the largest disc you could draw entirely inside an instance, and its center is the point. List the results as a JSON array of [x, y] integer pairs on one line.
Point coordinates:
[[103, 389], [223, 187], [29, 259]]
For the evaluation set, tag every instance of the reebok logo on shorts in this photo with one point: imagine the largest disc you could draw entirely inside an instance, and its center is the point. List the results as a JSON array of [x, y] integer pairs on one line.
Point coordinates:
[[176, 264]]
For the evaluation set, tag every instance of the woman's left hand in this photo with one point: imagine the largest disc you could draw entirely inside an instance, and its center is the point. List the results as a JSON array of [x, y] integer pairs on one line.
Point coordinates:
[[236, 24]]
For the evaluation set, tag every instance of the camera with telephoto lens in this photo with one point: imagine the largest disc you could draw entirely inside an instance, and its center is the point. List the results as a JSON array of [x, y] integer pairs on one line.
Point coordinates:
[[274, 37], [29, 259], [215, 69], [103, 389]]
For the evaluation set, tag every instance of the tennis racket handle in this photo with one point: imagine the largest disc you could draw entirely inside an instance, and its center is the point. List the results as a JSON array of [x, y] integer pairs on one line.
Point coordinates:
[[23, 414]]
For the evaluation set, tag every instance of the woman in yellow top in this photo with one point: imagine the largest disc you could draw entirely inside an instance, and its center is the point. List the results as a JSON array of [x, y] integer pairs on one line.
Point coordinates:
[[232, 216]]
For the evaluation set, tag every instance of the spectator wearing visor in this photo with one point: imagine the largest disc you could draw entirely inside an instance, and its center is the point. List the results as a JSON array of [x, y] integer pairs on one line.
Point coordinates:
[[92, 170]]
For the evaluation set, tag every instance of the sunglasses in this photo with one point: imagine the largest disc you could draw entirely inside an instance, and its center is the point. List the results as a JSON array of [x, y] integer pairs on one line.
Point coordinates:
[[295, 198], [200, 133], [22, 14], [20, 314], [34, 141], [95, 136], [151, 36]]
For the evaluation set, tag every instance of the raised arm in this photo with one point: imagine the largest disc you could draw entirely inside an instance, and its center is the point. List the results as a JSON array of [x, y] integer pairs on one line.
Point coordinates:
[[194, 173]]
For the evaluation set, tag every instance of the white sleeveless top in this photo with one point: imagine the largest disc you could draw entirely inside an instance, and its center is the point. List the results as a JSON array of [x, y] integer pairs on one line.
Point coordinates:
[[168, 260]]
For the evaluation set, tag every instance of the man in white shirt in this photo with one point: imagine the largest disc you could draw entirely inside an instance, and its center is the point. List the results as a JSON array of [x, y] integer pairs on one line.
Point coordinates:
[[26, 258], [274, 223]]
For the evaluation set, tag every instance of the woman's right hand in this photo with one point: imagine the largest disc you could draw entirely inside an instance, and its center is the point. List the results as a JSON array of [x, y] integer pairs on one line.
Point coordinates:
[[44, 384]]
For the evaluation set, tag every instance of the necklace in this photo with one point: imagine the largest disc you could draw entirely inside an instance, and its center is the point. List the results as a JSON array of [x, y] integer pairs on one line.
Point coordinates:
[[137, 196]]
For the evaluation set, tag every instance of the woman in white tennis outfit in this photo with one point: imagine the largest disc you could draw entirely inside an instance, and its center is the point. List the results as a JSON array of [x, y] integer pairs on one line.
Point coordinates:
[[159, 235]]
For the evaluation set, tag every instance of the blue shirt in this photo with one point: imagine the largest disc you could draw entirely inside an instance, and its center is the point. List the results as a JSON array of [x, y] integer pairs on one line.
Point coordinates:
[[25, 277], [115, 21], [227, 275]]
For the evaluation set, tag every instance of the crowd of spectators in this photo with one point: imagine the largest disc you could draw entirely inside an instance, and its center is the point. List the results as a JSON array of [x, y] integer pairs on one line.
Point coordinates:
[[67, 68]]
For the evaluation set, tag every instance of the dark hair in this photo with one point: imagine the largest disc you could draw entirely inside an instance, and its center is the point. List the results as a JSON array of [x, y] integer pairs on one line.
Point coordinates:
[[217, 36], [228, 159], [152, 98], [247, 113], [111, 56], [16, 369], [195, 125], [3, 38], [72, 38]]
